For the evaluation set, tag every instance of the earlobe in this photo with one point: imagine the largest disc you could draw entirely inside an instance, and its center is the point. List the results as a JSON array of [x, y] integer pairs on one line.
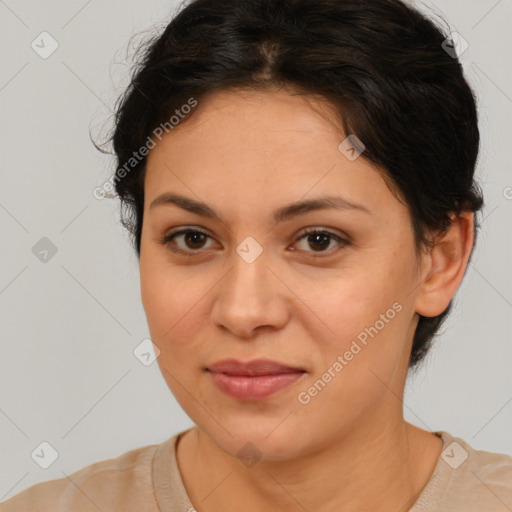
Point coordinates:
[[447, 262]]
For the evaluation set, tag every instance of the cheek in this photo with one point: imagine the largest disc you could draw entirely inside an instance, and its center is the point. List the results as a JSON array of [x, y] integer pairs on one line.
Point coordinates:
[[356, 364], [354, 302], [172, 304], [163, 289], [168, 301], [368, 315], [175, 302]]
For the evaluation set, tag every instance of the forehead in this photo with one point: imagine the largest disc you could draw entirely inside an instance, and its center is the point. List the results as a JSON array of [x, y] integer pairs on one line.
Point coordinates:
[[261, 148], [267, 116]]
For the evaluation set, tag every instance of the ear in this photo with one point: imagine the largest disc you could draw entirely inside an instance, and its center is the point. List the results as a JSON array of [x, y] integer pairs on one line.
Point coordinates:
[[444, 266]]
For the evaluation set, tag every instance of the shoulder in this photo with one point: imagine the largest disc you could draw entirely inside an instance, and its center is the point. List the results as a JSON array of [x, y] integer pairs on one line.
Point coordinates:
[[469, 480], [121, 483], [488, 471]]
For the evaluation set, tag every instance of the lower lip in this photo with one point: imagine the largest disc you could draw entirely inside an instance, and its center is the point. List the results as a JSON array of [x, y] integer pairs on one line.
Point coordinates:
[[255, 387]]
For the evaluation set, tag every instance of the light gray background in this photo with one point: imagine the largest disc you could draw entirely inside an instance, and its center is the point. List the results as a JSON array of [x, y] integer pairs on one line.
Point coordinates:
[[68, 375]]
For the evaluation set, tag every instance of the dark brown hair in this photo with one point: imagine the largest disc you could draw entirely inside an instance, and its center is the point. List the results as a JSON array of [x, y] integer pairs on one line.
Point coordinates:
[[381, 63]]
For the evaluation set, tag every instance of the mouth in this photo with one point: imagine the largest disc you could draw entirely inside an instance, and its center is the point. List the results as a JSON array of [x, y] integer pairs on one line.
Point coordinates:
[[253, 380]]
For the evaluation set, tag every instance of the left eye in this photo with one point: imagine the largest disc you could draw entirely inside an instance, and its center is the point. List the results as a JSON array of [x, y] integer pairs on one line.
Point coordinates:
[[319, 240], [195, 240]]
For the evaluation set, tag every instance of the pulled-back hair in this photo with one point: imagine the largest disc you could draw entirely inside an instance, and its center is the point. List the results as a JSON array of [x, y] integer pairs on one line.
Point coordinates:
[[380, 63]]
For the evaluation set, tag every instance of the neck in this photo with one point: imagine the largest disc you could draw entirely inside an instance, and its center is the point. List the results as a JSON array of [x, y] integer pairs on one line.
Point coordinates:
[[381, 465]]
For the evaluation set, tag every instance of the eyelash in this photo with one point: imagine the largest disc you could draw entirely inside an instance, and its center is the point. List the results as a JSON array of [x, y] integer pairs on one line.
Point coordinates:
[[307, 232]]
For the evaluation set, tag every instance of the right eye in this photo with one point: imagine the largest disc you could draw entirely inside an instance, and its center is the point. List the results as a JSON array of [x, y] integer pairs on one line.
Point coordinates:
[[192, 238]]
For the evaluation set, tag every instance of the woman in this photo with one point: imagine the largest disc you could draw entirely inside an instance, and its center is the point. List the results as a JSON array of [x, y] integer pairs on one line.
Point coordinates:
[[298, 177]]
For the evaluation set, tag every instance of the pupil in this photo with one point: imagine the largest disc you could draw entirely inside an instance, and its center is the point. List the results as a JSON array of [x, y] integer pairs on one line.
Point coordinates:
[[192, 235], [318, 236]]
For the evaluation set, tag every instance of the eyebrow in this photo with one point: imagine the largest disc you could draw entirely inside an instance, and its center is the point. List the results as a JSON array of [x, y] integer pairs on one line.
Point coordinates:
[[280, 214]]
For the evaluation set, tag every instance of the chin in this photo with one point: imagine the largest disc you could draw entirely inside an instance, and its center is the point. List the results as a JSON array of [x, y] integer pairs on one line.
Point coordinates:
[[252, 439]]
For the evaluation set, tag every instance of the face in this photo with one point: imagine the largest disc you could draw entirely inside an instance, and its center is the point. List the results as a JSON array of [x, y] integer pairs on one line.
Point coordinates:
[[243, 278]]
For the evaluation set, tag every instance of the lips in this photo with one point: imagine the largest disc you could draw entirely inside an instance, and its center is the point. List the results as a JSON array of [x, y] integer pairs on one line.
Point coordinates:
[[256, 367], [253, 380]]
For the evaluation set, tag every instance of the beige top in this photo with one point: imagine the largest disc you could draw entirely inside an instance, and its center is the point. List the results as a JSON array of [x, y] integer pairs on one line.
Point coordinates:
[[147, 479]]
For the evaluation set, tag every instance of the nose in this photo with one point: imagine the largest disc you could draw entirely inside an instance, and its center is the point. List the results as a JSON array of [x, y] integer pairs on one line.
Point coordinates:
[[250, 297]]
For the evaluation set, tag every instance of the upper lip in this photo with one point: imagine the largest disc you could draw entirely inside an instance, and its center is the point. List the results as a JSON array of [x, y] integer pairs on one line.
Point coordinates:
[[254, 367]]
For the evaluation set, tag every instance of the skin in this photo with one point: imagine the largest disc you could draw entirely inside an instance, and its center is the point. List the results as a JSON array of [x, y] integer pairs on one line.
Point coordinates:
[[246, 153]]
